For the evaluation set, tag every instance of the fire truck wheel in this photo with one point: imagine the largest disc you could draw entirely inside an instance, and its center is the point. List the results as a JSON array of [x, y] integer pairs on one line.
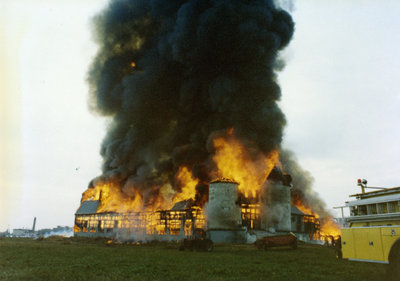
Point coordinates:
[[394, 262], [394, 270]]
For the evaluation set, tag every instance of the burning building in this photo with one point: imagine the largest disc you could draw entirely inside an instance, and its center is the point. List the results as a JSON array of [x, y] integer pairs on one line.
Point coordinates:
[[172, 224], [228, 216], [191, 95]]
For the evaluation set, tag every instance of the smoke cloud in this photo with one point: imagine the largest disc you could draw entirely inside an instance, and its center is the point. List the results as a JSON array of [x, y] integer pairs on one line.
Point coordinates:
[[170, 75], [302, 184]]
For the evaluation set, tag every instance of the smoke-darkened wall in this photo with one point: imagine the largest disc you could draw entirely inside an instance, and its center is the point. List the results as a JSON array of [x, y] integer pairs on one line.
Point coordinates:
[[171, 74]]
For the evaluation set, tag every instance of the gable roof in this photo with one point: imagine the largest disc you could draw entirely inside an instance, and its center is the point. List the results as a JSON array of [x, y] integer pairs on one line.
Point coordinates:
[[88, 207], [183, 205], [295, 211]]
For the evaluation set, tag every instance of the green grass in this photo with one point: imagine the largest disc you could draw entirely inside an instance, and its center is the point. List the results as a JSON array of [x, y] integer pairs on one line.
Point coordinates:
[[93, 259]]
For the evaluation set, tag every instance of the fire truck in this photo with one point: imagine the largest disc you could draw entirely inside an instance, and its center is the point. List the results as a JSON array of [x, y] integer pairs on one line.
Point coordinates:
[[373, 228]]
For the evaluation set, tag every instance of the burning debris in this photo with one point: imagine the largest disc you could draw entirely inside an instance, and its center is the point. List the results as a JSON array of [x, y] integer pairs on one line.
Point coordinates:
[[190, 90]]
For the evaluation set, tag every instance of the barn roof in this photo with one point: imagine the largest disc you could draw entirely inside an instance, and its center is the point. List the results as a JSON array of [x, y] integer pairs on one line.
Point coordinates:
[[182, 205], [295, 211], [88, 207]]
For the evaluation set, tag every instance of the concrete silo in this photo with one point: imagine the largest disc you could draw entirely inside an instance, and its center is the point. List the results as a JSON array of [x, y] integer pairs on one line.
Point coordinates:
[[224, 220], [276, 201]]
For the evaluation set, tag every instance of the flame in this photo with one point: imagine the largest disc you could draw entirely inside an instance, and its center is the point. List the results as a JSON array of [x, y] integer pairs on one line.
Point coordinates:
[[133, 64], [306, 210], [233, 161], [76, 228], [112, 199], [329, 228], [184, 176]]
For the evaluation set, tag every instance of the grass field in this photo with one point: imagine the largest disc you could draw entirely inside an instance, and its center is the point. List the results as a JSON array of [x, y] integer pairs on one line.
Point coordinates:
[[91, 259]]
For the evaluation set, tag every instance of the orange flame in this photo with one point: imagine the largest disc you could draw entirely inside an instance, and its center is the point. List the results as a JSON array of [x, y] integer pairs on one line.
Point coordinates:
[[306, 210], [112, 199], [329, 228], [184, 176], [234, 162]]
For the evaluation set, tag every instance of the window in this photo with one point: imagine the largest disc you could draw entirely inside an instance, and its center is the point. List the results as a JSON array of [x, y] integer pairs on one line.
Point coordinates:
[[371, 208], [354, 211], [362, 210], [393, 207], [382, 208]]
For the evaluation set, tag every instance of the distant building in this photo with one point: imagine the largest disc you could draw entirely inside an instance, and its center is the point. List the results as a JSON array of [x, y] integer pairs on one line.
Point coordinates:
[[5, 233], [23, 233]]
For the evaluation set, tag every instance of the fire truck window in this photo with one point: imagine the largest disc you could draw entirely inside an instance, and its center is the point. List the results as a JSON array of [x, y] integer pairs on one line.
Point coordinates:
[[362, 210], [371, 209], [393, 207], [382, 208]]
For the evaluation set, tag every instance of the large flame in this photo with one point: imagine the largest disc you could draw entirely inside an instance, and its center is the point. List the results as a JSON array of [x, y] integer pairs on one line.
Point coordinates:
[[234, 162], [112, 199], [329, 228], [188, 191]]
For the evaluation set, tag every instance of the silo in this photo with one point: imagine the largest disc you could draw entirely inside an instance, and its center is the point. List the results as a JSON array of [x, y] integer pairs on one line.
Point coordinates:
[[223, 212], [277, 207], [280, 204]]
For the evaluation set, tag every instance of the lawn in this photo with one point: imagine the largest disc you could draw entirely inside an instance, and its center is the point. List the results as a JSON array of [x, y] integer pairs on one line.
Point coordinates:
[[94, 259]]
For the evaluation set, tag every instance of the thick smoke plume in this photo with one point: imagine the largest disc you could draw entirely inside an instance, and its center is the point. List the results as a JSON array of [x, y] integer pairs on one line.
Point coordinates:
[[171, 75]]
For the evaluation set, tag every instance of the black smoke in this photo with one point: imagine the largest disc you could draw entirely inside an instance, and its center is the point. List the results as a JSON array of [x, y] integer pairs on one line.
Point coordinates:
[[201, 68]]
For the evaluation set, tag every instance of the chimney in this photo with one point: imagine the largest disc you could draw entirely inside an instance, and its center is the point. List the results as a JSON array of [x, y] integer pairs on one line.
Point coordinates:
[[34, 224]]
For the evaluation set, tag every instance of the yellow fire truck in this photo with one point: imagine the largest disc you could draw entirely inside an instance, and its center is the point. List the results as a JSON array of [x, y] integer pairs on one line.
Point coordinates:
[[373, 231]]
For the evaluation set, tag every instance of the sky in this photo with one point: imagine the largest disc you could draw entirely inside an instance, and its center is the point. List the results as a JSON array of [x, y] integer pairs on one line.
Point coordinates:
[[339, 93]]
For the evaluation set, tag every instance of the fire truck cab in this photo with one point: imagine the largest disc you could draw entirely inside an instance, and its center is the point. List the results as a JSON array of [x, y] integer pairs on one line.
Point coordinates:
[[373, 231]]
